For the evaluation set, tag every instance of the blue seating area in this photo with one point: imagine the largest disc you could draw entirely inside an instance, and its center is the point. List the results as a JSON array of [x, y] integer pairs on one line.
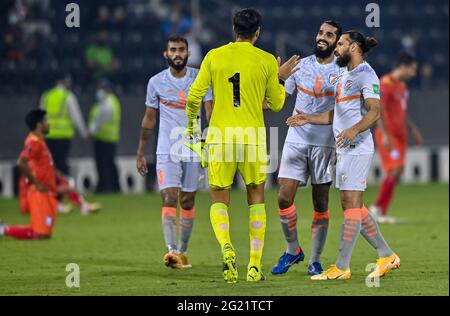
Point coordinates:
[[421, 26]]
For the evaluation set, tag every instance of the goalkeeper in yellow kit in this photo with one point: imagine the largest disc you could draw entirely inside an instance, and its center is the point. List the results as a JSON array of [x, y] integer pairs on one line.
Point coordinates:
[[242, 77]]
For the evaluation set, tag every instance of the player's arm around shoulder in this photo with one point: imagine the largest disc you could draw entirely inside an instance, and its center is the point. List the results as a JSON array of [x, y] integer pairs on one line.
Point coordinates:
[[300, 118]]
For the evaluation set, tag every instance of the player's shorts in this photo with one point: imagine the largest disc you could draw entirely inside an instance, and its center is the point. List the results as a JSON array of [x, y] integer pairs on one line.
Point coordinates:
[[391, 159], [352, 171], [301, 161], [225, 159], [184, 175], [43, 211]]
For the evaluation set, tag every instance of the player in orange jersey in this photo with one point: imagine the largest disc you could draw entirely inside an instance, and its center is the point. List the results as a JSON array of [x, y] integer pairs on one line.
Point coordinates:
[[36, 164], [391, 136]]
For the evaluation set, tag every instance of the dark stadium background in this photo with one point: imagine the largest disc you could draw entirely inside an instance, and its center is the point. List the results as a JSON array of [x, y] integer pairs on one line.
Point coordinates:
[[46, 48]]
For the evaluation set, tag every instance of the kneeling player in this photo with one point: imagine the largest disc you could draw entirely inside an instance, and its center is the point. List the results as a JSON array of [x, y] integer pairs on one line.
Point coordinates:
[[36, 164]]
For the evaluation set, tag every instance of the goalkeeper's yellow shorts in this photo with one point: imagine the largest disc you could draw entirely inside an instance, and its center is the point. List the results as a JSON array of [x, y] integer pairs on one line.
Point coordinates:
[[225, 159]]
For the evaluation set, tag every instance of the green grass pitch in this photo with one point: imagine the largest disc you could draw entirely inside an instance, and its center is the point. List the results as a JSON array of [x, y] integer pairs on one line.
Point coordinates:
[[119, 251]]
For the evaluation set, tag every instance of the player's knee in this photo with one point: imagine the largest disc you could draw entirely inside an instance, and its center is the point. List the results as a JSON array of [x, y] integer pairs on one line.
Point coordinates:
[[348, 203], [320, 197], [320, 204], [284, 201], [187, 202], [169, 200]]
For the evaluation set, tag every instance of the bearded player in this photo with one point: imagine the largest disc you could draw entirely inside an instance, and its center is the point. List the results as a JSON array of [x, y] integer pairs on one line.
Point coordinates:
[[357, 109], [179, 173], [391, 135], [308, 150]]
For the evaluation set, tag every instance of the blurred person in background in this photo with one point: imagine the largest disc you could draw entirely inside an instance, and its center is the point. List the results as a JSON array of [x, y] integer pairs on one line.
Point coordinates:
[[391, 135], [110, 17], [100, 58], [177, 22], [64, 115], [195, 48], [104, 127], [12, 47]]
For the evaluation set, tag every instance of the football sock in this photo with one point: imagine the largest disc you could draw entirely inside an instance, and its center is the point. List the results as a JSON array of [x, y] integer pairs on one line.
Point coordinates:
[[187, 223], [257, 229], [386, 193], [221, 223], [351, 228], [169, 225], [319, 234], [372, 233], [288, 220], [75, 198], [20, 232]]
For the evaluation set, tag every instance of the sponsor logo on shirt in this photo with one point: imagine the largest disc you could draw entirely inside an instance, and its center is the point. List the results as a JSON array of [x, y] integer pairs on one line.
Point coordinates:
[[348, 84], [332, 78]]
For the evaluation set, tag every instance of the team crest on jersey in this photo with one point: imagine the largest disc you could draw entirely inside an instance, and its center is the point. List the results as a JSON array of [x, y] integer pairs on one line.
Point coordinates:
[[348, 84], [332, 79]]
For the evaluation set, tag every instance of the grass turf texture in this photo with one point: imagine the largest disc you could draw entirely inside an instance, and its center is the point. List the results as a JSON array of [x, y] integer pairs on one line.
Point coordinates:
[[120, 250]]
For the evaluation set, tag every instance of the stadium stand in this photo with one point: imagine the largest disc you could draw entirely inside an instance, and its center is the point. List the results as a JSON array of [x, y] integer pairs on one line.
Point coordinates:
[[36, 45]]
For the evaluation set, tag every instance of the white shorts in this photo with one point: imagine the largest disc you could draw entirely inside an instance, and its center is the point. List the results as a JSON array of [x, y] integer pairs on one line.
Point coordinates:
[[185, 175], [352, 171], [300, 161]]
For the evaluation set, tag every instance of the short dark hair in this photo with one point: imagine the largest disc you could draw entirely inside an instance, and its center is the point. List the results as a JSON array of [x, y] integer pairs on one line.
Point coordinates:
[[177, 39], [405, 59], [366, 43], [246, 22], [336, 25], [34, 117]]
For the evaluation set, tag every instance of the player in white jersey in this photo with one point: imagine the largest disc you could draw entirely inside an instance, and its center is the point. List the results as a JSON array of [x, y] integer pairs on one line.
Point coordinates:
[[357, 108], [308, 150], [178, 169]]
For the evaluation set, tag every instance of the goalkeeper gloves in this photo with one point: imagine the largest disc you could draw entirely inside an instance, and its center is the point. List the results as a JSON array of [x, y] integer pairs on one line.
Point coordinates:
[[192, 132], [193, 140]]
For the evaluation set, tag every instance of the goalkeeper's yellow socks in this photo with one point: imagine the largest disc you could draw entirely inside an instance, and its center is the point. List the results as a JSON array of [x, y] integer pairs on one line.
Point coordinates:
[[257, 228], [220, 223]]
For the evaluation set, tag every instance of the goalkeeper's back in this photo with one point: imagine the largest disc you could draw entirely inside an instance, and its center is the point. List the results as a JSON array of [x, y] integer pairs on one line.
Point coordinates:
[[242, 76]]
